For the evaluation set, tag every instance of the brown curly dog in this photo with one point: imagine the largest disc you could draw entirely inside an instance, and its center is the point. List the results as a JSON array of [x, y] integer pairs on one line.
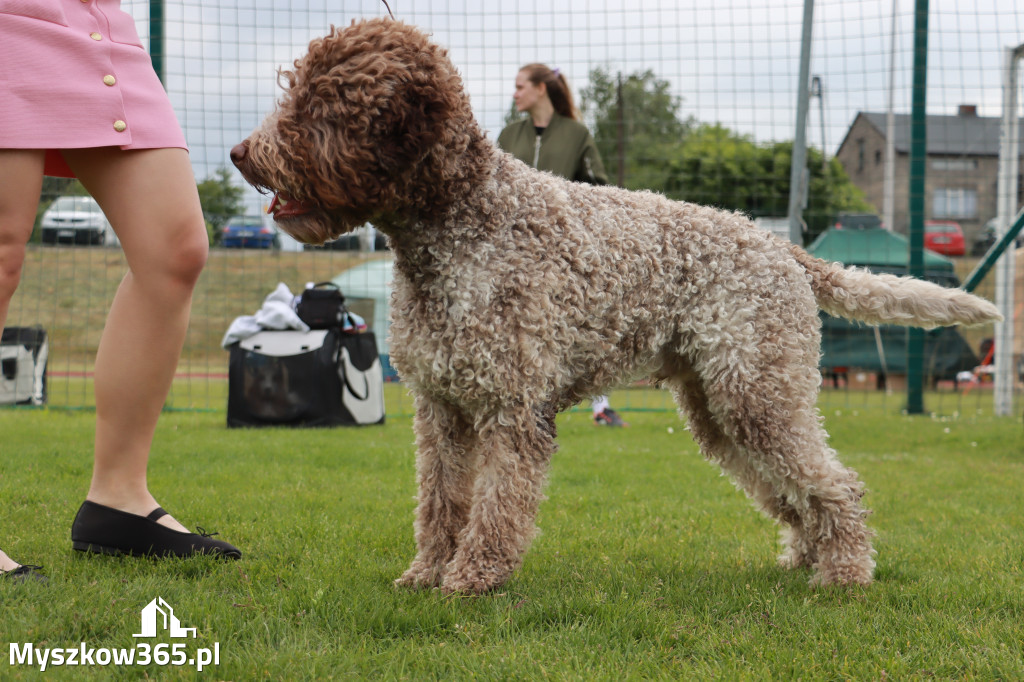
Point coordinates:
[[517, 294]]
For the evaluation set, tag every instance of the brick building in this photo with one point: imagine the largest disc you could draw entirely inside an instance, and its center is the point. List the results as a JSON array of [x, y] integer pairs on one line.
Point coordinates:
[[962, 166]]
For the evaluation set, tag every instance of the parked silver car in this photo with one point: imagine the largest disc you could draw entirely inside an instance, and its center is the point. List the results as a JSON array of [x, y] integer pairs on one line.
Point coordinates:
[[76, 220]]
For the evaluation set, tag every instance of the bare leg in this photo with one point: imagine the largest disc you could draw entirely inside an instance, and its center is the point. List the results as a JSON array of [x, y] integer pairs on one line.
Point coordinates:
[[517, 449], [21, 180], [151, 201], [445, 467]]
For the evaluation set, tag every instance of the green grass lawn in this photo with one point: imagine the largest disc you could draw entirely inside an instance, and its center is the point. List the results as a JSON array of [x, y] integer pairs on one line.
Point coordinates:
[[649, 566]]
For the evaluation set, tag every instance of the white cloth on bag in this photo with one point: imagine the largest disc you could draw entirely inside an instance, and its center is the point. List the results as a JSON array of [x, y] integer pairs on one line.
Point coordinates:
[[277, 312]]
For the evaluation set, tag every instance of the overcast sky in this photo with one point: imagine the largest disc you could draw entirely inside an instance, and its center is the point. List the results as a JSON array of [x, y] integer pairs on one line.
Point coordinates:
[[730, 61]]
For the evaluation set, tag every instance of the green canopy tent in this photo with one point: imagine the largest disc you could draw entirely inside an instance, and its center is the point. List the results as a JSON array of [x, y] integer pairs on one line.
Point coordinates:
[[880, 251], [846, 344]]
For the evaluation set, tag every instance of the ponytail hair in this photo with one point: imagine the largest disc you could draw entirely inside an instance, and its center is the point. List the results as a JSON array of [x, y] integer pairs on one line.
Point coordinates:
[[557, 88]]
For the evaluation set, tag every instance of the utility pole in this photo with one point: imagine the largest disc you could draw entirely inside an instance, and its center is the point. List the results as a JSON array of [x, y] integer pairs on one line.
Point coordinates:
[[818, 90], [797, 172]]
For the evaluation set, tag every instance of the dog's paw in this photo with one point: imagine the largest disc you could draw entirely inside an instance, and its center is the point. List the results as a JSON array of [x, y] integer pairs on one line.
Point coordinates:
[[467, 579], [845, 560], [819, 580], [467, 587], [855, 573], [794, 558], [421, 577], [798, 550]]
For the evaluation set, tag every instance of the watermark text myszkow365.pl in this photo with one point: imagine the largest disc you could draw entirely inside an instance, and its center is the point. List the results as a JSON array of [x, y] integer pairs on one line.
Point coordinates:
[[156, 616]]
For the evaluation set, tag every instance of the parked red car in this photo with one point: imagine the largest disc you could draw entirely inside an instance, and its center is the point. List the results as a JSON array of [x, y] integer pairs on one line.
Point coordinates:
[[944, 236]]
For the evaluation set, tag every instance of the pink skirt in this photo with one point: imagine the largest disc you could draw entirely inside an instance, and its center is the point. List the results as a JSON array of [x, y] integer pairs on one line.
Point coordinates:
[[74, 76]]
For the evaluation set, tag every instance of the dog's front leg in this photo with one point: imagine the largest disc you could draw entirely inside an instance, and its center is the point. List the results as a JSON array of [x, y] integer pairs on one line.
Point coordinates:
[[445, 468], [516, 447]]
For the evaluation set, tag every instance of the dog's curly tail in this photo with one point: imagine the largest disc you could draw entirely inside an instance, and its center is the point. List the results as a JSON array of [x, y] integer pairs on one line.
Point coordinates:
[[857, 294]]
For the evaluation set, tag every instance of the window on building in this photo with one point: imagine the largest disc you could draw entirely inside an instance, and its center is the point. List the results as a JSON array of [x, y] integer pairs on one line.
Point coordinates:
[[955, 202], [953, 164], [860, 155]]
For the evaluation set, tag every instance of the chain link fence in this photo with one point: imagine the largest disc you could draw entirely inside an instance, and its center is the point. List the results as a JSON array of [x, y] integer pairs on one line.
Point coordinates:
[[695, 100]]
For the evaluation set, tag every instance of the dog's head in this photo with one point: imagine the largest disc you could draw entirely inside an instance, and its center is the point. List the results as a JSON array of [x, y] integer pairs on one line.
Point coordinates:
[[371, 126]]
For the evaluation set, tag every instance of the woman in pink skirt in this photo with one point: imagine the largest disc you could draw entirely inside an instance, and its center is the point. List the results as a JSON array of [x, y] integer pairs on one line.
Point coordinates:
[[81, 100]]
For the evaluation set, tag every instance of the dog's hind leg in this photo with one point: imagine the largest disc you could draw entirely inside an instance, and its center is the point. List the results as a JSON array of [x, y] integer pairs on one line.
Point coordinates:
[[776, 449], [777, 426], [445, 469], [719, 448], [517, 445]]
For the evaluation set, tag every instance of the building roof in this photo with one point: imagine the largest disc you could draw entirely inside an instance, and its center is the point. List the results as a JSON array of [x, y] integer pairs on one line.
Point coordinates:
[[961, 135]]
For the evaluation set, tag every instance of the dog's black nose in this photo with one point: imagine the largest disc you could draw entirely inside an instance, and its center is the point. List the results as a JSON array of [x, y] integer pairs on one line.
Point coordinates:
[[238, 153]]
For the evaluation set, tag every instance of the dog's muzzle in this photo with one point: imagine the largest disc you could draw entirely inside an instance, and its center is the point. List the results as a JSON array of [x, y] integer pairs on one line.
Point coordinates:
[[238, 153], [281, 206]]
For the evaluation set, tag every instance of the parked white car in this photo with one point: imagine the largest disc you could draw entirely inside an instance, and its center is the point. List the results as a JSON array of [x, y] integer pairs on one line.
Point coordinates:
[[77, 220]]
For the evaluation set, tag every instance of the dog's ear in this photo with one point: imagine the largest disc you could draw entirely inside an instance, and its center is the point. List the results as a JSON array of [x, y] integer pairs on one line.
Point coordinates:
[[366, 93], [331, 113], [416, 119], [371, 109]]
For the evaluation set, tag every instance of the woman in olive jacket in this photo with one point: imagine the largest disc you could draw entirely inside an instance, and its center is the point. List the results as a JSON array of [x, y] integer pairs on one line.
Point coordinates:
[[552, 139]]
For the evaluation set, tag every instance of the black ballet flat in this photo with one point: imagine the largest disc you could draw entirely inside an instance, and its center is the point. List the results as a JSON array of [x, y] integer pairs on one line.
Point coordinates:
[[24, 574], [102, 530]]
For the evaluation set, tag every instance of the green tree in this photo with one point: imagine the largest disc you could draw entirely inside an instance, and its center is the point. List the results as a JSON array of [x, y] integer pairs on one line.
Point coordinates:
[[59, 187], [830, 192], [708, 169], [221, 200], [719, 167], [636, 125]]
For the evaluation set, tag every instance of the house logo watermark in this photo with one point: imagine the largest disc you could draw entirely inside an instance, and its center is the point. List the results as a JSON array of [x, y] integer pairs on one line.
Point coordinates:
[[158, 613], [157, 619]]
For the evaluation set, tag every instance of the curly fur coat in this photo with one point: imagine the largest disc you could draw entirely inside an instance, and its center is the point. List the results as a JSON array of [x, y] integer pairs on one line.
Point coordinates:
[[517, 294]]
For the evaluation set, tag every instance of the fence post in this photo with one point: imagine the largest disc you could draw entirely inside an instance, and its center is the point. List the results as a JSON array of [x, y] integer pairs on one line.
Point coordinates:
[[1007, 192], [156, 37], [918, 165]]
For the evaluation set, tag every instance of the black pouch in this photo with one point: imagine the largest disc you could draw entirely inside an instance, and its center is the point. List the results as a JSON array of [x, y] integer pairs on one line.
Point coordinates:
[[322, 306]]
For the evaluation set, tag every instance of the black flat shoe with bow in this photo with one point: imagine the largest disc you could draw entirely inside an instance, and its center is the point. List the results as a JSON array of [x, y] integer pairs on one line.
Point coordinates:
[[24, 574], [103, 530]]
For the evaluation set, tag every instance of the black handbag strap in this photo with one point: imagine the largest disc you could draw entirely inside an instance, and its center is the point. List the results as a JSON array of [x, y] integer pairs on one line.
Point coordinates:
[[361, 393]]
